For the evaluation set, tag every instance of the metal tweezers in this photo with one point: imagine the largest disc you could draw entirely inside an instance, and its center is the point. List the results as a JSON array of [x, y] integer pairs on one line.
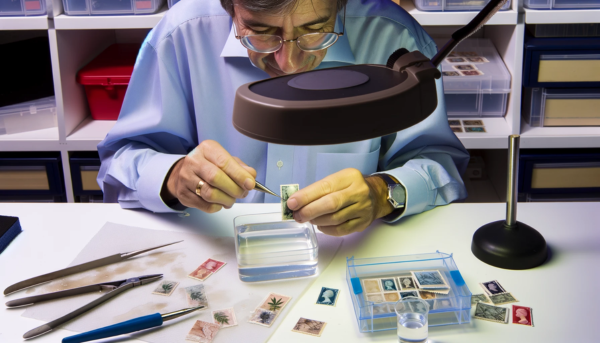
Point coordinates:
[[114, 288]]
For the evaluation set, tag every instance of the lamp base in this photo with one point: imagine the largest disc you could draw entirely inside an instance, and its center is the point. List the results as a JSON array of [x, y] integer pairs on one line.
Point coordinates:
[[510, 247]]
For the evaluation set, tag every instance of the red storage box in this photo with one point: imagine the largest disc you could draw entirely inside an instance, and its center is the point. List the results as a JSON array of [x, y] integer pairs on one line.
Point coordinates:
[[106, 78]]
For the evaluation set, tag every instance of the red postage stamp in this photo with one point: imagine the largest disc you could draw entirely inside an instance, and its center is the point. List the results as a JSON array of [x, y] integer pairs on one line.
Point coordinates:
[[522, 315]]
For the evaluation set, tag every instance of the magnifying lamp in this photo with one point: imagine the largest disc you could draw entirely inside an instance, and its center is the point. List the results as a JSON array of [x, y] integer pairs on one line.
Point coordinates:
[[350, 103]]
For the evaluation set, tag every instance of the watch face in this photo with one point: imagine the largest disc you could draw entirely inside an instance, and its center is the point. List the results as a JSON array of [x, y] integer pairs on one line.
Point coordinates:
[[398, 194]]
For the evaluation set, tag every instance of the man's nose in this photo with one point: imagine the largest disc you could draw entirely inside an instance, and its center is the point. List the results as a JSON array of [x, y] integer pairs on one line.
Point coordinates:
[[289, 57]]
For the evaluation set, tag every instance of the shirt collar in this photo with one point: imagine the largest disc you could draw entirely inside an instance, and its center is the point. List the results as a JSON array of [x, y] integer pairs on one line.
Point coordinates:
[[338, 52]]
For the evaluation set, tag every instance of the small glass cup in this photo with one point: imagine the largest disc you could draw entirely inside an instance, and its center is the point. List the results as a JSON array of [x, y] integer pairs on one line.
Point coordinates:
[[412, 314]]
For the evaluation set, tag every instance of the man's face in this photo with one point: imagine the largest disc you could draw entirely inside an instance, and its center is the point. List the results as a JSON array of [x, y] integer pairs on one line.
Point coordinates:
[[308, 16]]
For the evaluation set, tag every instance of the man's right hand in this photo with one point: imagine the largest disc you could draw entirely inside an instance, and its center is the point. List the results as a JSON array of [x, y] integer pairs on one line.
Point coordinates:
[[225, 177]]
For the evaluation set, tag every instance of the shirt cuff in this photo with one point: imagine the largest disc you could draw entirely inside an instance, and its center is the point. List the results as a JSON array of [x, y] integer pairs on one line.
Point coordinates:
[[151, 181], [418, 193]]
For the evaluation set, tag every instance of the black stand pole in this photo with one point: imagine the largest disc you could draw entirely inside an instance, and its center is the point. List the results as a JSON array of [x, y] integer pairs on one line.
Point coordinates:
[[510, 244]]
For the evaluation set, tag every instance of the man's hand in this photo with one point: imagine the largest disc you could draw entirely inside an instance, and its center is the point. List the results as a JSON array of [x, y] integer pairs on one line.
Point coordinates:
[[341, 203], [226, 178]]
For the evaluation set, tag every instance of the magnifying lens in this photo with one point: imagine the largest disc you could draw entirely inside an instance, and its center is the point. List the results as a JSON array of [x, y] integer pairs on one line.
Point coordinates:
[[350, 103]]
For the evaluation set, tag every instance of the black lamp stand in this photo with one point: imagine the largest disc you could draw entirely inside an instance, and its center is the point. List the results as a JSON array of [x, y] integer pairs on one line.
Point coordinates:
[[510, 244]]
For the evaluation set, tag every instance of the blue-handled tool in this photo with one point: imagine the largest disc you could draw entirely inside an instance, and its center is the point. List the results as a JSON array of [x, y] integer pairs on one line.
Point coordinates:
[[129, 326]]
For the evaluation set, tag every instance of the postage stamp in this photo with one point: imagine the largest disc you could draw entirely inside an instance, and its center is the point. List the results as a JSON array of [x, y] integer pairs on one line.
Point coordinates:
[[453, 122], [442, 291], [429, 279], [196, 296], [309, 327], [404, 295], [455, 60], [286, 192], [503, 298], [477, 59], [206, 269], [522, 315], [460, 67], [475, 298], [471, 72], [391, 296], [475, 129], [165, 288], [419, 307], [328, 296], [262, 317], [456, 129], [492, 287], [275, 302], [425, 295], [389, 285], [441, 304], [376, 298], [407, 283], [203, 332], [491, 313], [371, 286], [472, 123], [225, 318], [451, 73], [381, 309]]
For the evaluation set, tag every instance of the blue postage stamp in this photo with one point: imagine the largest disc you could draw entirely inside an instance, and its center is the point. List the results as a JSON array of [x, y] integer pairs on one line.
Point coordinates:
[[389, 285], [328, 296]]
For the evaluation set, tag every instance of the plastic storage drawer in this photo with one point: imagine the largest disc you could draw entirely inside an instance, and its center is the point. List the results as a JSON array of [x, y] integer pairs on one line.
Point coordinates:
[[561, 106], [561, 62], [559, 175], [455, 5], [31, 177], [483, 95], [561, 4], [111, 7], [373, 316], [84, 171], [106, 78], [28, 116], [22, 8]]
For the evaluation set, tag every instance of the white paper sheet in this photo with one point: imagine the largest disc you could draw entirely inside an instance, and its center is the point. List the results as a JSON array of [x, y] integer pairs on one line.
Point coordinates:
[[224, 289]]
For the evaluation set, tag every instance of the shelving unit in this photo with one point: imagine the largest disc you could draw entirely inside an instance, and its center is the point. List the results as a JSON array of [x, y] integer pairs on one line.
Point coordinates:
[[74, 41]]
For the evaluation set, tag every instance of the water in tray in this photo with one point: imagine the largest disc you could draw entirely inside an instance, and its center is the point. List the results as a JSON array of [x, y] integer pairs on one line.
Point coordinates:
[[278, 250], [412, 328]]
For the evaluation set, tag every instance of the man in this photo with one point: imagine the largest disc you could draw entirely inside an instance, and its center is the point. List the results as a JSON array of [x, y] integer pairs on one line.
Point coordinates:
[[174, 145]]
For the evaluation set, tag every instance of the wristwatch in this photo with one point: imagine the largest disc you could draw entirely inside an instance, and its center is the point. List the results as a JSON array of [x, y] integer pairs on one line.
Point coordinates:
[[396, 195]]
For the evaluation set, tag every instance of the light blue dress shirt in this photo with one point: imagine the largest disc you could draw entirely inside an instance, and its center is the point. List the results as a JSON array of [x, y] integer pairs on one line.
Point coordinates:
[[182, 92]]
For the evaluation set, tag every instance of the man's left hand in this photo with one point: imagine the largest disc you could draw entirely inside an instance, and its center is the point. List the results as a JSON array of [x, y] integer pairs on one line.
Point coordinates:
[[341, 203]]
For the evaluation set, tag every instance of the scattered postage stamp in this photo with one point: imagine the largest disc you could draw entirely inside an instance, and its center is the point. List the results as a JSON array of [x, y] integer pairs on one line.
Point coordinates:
[[522, 315], [460, 67], [391, 296], [381, 309], [475, 298], [262, 317], [376, 298], [309, 327], [371, 286], [455, 60], [472, 123], [389, 285], [407, 283], [165, 288], [203, 332], [477, 59], [404, 295], [225, 318], [492, 287], [456, 129], [328, 296], [451, 73], [196, 296], [286, 192], [453, 122], [275, 302], [503, 298], [429, 279], [425, 295], [475, 129], [471, 72], [491, 313], [206, 269]]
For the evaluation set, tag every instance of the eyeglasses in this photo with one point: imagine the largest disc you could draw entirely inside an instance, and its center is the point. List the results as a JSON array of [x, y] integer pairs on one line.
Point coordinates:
[[267, 44]]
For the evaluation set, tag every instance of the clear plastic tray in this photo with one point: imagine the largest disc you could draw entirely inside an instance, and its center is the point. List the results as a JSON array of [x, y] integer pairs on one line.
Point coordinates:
[[561, 106], [561, 4], [111, 7], [455, 5], [374, 317], [480, 95], [565, 30], [268, 248], [28, 116], [22, 8]]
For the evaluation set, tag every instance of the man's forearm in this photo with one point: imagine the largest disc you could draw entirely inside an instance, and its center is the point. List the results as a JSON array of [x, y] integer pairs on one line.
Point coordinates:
[[380, 195]]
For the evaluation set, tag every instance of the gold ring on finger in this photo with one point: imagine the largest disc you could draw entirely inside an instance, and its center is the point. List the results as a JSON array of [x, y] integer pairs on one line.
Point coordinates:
[[199, 187]]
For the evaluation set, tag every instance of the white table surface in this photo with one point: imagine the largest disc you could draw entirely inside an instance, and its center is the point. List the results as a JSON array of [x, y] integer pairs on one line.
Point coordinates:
[[563, 292]]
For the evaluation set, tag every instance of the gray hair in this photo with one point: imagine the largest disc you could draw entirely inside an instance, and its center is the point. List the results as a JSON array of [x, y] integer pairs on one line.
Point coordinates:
[[269, 6]]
